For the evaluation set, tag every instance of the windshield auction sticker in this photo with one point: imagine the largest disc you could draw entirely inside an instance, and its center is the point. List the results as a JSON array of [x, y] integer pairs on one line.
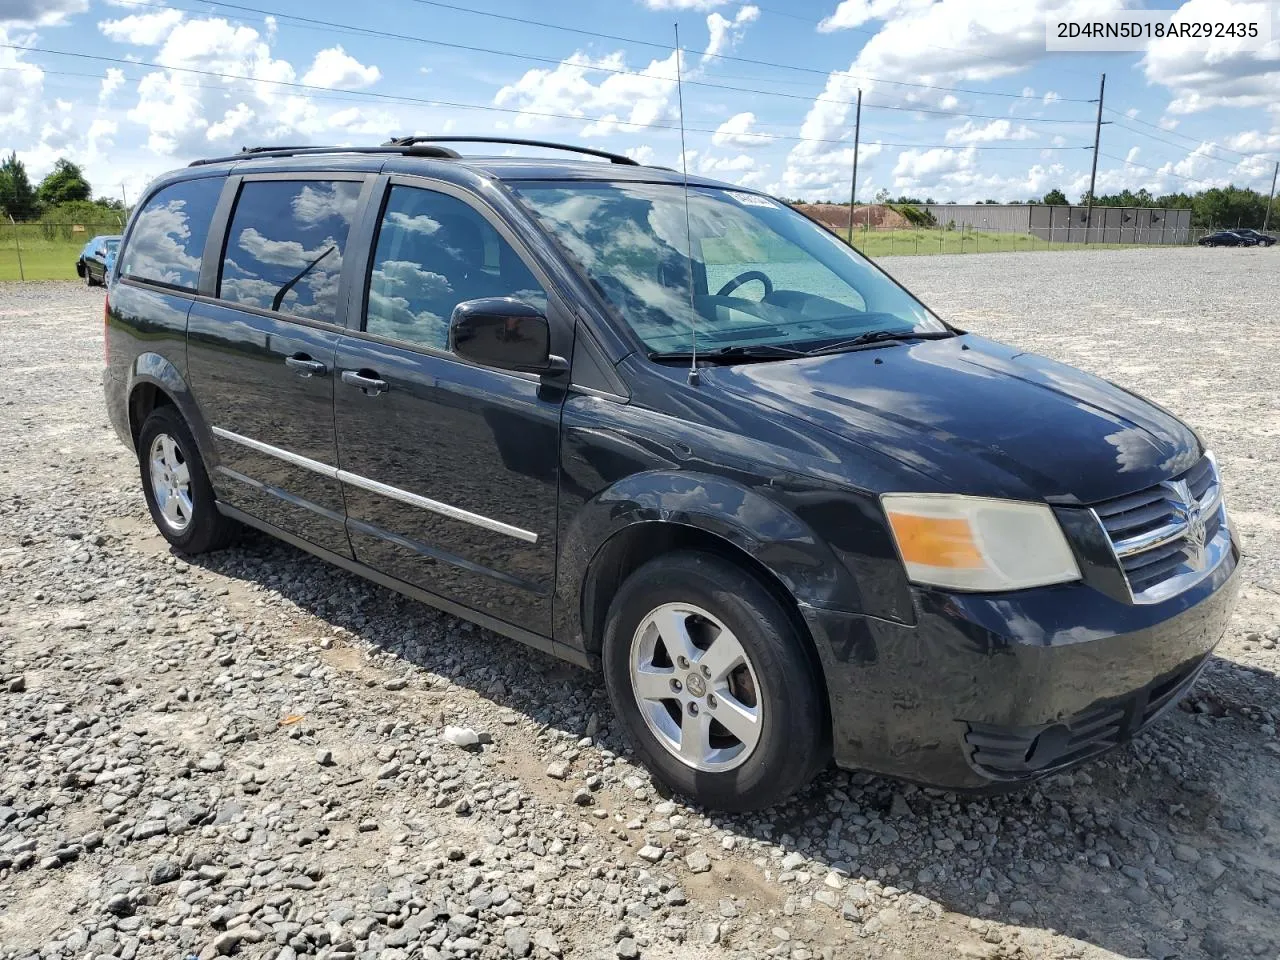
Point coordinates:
[[751, 199], [1241, 26]]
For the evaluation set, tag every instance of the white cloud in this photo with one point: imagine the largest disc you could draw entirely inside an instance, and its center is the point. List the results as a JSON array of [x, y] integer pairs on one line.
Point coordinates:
[[642, 154], [683, 4], [1223, 76], [916, 166], [851, 14], [40, 13], [1253, 141], [1051, 96], [233, 120], [725, 33], [971, 132], [21, 90], [625, 99], [112, 82], [736, 132], [336, 69], [145, 29]]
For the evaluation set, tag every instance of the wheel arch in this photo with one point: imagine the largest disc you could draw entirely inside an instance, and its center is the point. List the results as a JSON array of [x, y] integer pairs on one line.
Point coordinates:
[[154, 381], [646, 515]]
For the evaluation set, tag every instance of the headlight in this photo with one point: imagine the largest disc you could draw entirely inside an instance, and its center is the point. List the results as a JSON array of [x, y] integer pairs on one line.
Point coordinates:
[[978, 543]]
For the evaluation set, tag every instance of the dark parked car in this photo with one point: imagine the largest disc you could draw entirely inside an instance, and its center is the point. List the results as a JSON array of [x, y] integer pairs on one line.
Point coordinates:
[[92, 267], [1227, 238], [1257, 236], [845, 530]]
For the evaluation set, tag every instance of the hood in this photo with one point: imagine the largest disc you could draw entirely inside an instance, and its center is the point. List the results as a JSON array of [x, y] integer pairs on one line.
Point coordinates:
[[978, 417]]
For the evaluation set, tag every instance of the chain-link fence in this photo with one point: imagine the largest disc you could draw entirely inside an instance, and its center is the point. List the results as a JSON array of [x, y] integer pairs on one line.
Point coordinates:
[[887, 230], [48, 251]]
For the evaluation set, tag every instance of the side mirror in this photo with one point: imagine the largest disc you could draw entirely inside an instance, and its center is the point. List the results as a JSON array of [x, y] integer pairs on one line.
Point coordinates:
[[503, 332]]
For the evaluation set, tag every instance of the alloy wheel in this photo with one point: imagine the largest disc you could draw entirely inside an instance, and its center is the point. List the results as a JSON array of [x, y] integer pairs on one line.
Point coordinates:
[[696, 688], [171, 483]]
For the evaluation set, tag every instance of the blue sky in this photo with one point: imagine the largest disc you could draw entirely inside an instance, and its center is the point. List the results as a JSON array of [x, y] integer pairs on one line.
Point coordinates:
[[960, 100]]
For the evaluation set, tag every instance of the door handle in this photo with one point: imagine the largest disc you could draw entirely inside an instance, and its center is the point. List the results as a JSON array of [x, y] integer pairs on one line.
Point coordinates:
[[371, 385], [304, 366]]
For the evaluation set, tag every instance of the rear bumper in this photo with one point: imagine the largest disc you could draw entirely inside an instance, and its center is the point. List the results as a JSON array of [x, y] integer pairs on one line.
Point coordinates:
[[984, 690], [115, 394]]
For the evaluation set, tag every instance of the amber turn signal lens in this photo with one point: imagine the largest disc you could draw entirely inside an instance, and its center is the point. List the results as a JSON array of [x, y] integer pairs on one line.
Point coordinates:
[[936, 541]]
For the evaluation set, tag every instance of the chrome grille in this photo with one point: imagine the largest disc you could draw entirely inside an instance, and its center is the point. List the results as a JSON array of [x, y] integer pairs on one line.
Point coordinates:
[[1169, 536]]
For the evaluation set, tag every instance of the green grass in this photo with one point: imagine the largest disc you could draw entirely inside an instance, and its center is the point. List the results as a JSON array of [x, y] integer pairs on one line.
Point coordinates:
[[41, 259], [56, 259], [886, 243]]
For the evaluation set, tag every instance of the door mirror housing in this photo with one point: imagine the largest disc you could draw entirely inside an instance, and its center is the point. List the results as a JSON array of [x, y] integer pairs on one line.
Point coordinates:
[[503, 332]]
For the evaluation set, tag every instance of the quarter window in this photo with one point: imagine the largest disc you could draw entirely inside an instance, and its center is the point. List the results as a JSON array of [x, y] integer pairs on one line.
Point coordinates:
[[166, 242], [434, 252], [285, 246]]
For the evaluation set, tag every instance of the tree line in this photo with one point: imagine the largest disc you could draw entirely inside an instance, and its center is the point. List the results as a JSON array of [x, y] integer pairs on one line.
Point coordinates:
[[1216, 207], [64, 196]]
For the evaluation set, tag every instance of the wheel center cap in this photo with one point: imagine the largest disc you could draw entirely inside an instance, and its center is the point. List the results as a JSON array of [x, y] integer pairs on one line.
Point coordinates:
[[696, 685]]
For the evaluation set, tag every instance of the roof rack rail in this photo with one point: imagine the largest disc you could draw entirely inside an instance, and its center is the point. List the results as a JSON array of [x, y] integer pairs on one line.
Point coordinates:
[[246, 153], [547, 144]]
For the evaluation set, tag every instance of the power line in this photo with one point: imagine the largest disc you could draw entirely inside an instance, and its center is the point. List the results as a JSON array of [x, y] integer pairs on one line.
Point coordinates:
[[1162, 173], [1207, 156], [724, 56], [719, 56], [469, 48], [1198, 141], [359, 96], [871, 33], [369, 93]]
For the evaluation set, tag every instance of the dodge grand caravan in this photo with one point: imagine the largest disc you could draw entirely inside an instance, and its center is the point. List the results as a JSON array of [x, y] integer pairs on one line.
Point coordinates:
[[687, 437]]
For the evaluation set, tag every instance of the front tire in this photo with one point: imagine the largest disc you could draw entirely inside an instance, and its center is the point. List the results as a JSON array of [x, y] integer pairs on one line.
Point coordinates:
[[176, 486], [714, 684]]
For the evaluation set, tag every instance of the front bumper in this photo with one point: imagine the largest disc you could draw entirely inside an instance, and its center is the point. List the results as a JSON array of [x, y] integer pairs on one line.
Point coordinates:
[[986, 690]]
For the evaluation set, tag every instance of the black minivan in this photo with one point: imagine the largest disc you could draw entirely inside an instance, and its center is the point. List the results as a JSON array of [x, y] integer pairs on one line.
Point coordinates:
[[678, 432]]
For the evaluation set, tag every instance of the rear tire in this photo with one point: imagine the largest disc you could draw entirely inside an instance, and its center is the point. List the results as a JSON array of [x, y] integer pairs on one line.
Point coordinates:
[[177, 488], [713, 682]]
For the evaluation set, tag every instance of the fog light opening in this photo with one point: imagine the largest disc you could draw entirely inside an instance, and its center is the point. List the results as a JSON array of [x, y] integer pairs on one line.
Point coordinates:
[[1049, 744]]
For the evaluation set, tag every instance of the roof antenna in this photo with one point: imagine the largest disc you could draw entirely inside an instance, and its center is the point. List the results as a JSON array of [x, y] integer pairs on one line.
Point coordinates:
[[688, 229]]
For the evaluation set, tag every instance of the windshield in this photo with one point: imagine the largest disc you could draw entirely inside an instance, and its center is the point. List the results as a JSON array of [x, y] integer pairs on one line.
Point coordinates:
[[762, 274], [113, 244]]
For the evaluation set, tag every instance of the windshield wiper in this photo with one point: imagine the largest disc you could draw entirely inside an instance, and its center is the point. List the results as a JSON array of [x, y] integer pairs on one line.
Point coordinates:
[[735, 353], [872, 337]]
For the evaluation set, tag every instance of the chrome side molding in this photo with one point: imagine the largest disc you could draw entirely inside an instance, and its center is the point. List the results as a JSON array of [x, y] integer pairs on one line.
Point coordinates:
[[375, 486]]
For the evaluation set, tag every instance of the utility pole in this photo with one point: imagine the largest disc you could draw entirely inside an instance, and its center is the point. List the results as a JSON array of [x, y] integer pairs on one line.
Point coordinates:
[[1267, 217], [124, 197], [1093, 176], [853, 184]]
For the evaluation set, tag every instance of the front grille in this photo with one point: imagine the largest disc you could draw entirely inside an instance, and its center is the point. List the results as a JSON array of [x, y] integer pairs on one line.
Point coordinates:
[[1016, 753], [1169, 536]]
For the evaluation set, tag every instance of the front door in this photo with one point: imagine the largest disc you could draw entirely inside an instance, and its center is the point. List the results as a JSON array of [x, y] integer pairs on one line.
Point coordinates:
[[449, 469], [261, 359]]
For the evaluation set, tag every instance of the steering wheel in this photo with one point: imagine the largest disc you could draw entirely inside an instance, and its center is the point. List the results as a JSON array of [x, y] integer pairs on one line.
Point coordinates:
[[747, 277]]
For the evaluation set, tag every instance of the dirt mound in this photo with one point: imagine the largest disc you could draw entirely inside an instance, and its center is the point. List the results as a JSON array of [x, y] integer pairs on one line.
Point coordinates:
[[836, 216]]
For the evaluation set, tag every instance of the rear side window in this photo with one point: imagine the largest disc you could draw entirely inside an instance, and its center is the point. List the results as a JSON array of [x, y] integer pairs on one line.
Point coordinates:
[[285, 246], [166, 243]]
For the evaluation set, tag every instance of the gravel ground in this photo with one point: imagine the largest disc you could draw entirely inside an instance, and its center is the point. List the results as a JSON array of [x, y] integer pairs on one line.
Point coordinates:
[[258, 755]]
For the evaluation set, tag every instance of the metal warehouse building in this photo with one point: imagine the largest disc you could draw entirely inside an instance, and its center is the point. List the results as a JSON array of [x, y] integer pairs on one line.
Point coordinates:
[[1069, 224]]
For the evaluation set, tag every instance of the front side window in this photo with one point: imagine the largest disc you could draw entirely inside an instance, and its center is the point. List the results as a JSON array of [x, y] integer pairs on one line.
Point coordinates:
[[434, 252], [166, 242], [285, 246], [760, 273]]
